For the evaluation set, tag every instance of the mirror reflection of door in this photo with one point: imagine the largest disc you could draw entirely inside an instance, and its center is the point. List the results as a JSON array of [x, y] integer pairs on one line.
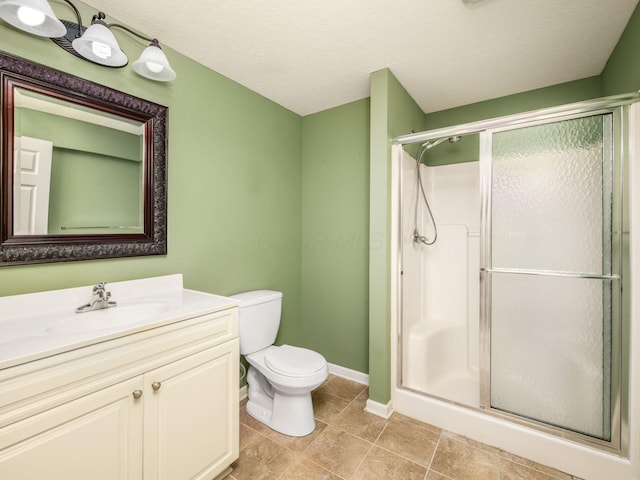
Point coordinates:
[[32, 178], [96, 173]]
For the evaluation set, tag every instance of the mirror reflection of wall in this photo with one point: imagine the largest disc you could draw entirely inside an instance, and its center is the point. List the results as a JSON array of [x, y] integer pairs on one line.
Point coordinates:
[[96, 175]]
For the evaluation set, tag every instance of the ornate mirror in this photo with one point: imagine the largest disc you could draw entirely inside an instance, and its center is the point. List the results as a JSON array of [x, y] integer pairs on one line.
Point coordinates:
[[83, 168]]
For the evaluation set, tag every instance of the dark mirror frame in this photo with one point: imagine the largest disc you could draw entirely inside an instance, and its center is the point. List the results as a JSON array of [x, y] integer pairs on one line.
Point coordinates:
[[28, 249]]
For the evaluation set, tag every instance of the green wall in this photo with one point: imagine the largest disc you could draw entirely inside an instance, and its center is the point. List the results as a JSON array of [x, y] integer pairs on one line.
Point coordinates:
[[467, 149], [622, 72], [393, 112], [79, 135], [110, 188], [233, 172], [335, 234], [562, 93]]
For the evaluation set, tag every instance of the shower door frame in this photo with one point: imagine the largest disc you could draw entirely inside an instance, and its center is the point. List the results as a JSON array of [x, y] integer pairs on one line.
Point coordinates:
[[620, 137], [619, 106]]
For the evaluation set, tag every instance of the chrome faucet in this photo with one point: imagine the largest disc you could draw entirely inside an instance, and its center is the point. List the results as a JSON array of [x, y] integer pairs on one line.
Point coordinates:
[[99, 299]]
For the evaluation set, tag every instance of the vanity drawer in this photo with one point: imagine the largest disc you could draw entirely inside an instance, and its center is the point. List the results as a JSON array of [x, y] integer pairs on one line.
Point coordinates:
[[33, 387]]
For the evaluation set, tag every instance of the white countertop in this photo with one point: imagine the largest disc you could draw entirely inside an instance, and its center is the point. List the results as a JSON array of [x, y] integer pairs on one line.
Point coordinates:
[[37, 325]]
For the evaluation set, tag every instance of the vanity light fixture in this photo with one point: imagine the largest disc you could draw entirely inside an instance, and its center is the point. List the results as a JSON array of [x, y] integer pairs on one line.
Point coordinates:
[[98, 44], [95, 43], [32, 16]]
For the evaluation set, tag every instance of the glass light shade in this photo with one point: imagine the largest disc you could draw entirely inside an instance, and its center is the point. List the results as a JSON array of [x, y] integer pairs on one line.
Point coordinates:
[[99, 45], [32, 16], [153, 64]]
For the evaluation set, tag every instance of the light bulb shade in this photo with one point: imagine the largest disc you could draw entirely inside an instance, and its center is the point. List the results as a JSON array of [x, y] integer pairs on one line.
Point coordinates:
[[153, 64], [99, 45], [32, 16]]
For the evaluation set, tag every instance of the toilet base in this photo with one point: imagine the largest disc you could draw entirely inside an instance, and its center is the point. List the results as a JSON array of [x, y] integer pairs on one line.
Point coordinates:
[[290, 414]]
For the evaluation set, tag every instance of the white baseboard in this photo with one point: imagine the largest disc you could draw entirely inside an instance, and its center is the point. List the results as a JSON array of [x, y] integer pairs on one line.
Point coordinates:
[[379, 409], [349, 374], [243, 392], [373, 407]]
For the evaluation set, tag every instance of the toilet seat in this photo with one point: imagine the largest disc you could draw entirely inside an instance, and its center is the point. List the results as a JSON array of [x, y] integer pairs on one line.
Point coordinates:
[[294, 361]]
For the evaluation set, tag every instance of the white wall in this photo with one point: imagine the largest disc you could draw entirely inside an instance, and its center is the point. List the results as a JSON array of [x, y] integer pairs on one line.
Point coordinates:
[[440, 282]]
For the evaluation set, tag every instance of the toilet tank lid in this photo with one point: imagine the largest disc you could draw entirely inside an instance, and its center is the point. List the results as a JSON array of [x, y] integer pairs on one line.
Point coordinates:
[[256, 297]]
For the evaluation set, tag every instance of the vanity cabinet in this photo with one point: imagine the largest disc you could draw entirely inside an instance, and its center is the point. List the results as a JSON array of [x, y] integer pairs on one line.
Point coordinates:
[[190, 424], [160, 404], [97, 436]]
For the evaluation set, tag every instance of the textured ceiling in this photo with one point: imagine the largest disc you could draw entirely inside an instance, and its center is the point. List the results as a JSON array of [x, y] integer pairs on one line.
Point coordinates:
[[312, 55]]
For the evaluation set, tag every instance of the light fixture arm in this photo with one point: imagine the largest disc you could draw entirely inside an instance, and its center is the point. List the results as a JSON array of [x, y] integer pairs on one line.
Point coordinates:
[[78, 16], [131, 31]]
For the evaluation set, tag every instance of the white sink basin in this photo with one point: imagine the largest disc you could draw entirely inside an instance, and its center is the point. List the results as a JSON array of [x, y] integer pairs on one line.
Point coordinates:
[[38, 325], [108, 318]]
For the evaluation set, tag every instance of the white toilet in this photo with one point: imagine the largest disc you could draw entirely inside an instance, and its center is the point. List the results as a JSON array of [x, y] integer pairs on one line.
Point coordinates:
[[280, 378]]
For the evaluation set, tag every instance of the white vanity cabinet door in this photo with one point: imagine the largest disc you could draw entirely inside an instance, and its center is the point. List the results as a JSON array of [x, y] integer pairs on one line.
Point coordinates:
[[97, 437], [191, 416]]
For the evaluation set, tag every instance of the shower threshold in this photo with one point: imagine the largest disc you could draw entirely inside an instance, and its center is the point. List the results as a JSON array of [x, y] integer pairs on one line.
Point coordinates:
[[461, 387]]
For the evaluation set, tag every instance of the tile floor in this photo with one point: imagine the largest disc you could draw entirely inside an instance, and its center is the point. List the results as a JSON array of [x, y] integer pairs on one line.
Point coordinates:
[[350, 444]]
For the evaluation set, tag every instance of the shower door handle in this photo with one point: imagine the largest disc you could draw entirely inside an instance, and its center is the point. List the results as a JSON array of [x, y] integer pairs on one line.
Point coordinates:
[[552, 273]]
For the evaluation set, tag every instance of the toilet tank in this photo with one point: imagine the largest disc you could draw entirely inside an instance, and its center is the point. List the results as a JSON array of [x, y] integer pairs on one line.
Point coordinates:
[[258, 319]]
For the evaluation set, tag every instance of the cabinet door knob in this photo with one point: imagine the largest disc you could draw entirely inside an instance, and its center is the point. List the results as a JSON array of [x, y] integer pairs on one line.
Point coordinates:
[[137, 394], [156, 386]]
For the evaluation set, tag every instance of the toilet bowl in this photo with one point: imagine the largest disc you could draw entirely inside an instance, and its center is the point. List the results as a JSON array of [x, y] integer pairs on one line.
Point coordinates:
[[280, 378]]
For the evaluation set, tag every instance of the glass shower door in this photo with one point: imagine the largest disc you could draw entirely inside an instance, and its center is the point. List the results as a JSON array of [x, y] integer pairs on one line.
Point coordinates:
[[551, 273]]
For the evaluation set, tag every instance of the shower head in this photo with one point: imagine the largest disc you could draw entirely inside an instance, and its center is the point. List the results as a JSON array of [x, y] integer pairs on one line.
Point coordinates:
[[434, 143]]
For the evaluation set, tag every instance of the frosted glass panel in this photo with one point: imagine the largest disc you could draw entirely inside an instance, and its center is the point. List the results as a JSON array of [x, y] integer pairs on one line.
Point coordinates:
[[551, 213], [551, 196], [549, 338]]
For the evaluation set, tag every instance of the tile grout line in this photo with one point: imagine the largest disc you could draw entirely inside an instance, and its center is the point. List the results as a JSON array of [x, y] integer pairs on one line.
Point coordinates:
[[479, 448], [350, 434], [400, 455], [384, 448], [533, 469], [300, 454], [342, 410], [277, 444], [252, 440], [363, 458], [331, 424], [375, 442], [323, 468], [433, 455], [364, 387], [530, 467]]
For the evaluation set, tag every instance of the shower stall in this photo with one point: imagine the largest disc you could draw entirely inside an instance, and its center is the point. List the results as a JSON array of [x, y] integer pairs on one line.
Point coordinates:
[[512, 289]]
